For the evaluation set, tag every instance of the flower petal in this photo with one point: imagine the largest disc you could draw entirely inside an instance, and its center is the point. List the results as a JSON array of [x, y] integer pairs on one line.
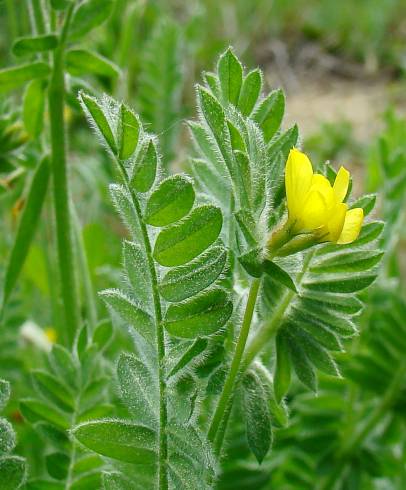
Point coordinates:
[[352, 226], [335, 224], [315, 211], [322, 185], [298, 178], [341, 184]]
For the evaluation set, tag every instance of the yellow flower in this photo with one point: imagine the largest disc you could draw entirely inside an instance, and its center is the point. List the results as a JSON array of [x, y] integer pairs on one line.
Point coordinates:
[[314, 205], [51, 334]]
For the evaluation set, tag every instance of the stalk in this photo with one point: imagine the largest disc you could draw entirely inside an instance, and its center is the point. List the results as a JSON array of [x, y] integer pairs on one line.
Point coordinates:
[[269, 329], [239, 364], [163, 408], [226, 395], [65, 242]]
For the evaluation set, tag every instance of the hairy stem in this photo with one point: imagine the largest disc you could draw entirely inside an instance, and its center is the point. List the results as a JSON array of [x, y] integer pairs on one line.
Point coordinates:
[[226, 395], [163, 409], [265, 333], [64, 232], [269, 329]]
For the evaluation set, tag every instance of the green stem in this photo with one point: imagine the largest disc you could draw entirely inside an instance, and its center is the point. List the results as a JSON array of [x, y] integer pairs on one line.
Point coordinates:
[[50, 263], [91, 310], [56, 96], [163, 409], [269, 329], [226, 395], [72, 455], [262, 337], [73, 447]]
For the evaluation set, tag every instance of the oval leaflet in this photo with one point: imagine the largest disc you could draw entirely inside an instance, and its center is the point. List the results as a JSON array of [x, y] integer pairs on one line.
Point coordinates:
[[183, 241]]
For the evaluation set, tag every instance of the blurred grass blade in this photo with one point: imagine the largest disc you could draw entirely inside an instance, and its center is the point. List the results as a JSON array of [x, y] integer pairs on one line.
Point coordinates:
[[27, 226]]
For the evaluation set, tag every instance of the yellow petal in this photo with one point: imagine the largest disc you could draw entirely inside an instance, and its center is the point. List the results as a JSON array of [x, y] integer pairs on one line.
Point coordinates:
[[298, 178], [322, 185], [352, 226], [336, 222], [341, 184], [315, 211]]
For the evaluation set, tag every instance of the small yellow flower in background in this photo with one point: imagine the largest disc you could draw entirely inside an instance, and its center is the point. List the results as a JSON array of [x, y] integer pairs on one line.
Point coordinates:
[[314, 205], [51, 334]]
